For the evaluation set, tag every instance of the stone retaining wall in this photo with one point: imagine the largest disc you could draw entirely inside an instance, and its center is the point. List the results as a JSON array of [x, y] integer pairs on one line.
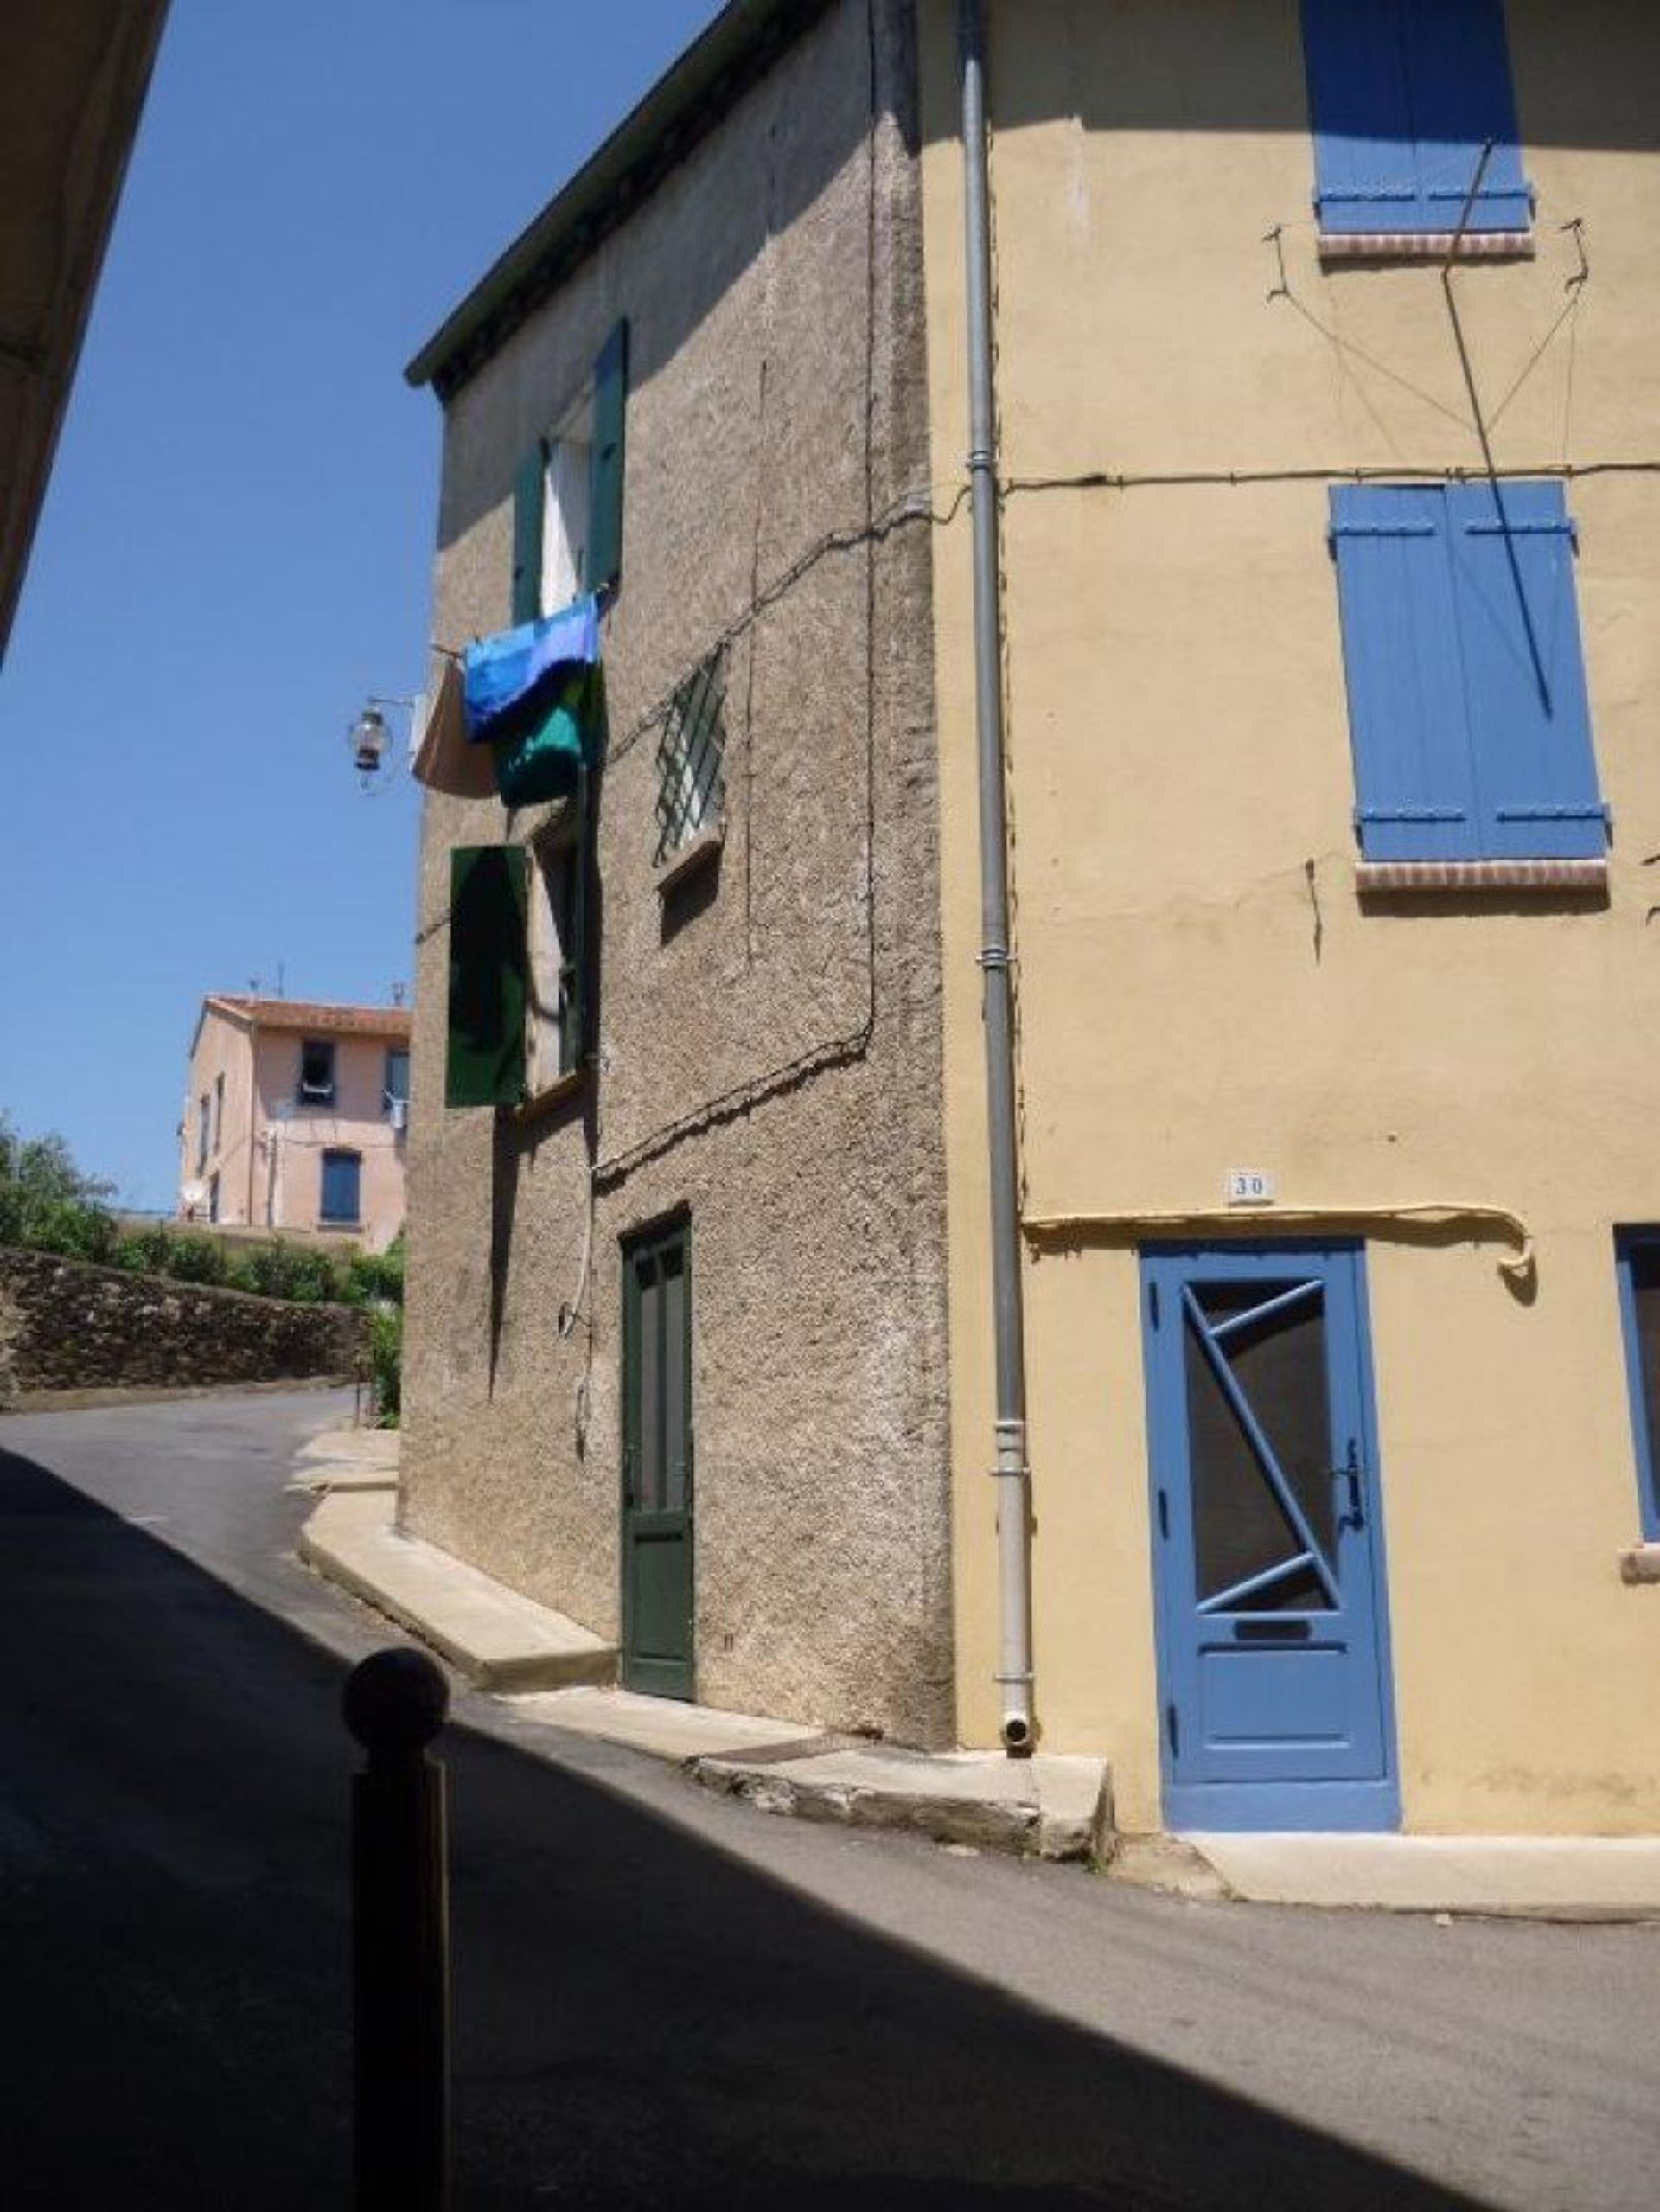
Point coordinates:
[[67, 1326]]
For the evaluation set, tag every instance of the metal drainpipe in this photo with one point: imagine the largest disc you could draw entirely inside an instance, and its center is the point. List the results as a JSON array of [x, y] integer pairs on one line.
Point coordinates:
[[1012, 1475]]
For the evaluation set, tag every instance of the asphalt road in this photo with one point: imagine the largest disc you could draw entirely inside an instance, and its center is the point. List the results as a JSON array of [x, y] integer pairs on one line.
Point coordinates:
[[664, 1998]]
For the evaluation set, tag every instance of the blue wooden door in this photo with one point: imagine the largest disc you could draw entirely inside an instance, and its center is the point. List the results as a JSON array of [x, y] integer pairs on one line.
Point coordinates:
[[1272, 1642]]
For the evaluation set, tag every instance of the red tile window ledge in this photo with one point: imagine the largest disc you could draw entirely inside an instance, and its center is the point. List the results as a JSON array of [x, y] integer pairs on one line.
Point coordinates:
[[1426, 246], [1375, 876]]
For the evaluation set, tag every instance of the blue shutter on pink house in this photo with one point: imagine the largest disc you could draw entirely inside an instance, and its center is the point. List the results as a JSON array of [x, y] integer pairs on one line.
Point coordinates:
[[341, 1182], [1468, 712], [1404, 95]]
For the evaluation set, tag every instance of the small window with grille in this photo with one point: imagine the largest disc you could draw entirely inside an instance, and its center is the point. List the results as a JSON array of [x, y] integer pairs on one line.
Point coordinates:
[[691, 783]]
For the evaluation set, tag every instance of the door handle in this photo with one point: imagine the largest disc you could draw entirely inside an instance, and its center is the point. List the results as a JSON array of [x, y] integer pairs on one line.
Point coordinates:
[[1350, 1473]]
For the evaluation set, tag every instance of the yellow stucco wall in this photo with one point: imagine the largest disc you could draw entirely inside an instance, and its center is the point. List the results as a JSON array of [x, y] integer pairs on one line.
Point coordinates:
[[1200, 986]]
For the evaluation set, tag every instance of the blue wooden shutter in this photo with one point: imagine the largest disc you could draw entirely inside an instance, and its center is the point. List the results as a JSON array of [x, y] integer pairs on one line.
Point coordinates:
[[485, 1061], [1404, 95], [528, 494], [606, 461], [1536, 772], [1365, 170], [341, 1177], [1459, 75], [1415, 789]]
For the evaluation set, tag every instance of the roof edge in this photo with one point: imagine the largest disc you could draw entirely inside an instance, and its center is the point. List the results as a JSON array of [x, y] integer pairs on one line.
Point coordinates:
[[681, 108]]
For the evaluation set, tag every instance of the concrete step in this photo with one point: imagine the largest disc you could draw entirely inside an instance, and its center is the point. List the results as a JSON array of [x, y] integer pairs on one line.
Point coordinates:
[[495, 1638], [1549, 1877], [1052, 1804]]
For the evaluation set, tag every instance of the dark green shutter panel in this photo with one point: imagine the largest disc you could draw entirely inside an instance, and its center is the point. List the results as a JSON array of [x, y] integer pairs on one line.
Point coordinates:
[[485, 1063], [528, 492], [573, 937], [605, 463]]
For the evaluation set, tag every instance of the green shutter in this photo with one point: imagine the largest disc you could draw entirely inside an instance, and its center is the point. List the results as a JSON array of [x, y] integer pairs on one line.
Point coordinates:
[[485, 1063], [605, 463], [573, 940], [528, 491]]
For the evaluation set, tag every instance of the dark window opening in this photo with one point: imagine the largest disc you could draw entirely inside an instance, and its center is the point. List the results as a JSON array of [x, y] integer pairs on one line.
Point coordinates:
[[317, 1071]]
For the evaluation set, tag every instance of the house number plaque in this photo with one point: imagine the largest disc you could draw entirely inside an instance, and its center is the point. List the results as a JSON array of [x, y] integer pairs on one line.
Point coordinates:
[[1249, 1186]]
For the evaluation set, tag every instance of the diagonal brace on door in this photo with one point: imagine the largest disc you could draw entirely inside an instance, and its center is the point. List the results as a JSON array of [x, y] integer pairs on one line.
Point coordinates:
[[1260, 1445]]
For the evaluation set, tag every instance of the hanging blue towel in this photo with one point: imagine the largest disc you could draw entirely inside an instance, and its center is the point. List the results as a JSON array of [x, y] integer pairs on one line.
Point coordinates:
[[501, 671]]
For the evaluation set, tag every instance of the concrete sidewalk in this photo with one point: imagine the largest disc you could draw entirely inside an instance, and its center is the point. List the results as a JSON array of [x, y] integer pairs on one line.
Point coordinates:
[[562, 1676], [1056, 1806], [347, 1458], [496, 1639], [1546, 1877]]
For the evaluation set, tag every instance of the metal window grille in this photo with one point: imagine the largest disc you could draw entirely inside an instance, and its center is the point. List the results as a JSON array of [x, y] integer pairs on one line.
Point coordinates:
[[691, 786]]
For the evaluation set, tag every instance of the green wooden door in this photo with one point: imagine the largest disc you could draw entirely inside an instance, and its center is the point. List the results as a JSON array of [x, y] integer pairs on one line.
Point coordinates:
[[657, 1591]]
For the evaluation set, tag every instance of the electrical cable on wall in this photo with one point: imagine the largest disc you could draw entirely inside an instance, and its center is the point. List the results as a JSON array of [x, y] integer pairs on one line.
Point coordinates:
[[842, 1050], [1428, 1214]]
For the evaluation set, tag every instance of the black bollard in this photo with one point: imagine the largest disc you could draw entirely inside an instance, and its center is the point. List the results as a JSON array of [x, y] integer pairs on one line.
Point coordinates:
[[395, 1703]]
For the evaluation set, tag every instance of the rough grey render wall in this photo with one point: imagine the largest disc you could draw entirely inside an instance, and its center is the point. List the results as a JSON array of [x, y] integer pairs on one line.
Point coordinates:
[[65, 1325], [770, 1051]]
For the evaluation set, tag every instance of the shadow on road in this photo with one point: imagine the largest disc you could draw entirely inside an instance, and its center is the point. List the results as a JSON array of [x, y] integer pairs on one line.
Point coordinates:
[[641, 2020]]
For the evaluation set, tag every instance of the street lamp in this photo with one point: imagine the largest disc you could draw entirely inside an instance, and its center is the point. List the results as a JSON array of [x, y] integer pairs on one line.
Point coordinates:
[[369, 740]]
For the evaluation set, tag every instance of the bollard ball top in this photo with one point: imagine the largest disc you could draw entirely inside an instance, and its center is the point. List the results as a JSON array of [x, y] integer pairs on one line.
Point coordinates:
[[395, 1702]]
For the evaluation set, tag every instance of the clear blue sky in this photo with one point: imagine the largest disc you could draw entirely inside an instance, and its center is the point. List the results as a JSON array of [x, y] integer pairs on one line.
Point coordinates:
[[236, 546]]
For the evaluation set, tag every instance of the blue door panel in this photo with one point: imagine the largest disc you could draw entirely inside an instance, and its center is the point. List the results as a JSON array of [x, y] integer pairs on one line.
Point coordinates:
[[1292, 1697], [1273, 1643]]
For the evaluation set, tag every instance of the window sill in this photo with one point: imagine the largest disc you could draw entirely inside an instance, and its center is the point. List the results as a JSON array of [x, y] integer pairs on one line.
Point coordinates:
[[697, 853], [1640, 1563], [340, 1228], [1373, 877], [1425, 246], [540, 1103]]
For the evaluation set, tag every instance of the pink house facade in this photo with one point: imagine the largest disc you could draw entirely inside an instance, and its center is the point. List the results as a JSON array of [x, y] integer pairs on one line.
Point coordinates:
[[295, 1118]]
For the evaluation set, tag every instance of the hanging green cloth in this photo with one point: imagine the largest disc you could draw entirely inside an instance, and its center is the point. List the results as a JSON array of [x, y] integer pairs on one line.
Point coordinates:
[[544, 744]]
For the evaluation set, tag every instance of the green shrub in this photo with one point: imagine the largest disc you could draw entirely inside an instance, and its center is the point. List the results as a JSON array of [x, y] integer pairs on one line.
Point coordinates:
[[299, 1272], [194, 1259], [375, 1275], [146, 1251], [386, 1364], [79, 1232]]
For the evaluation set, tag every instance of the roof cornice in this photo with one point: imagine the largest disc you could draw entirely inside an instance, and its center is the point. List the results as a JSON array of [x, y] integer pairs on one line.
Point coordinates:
[[684, 106]]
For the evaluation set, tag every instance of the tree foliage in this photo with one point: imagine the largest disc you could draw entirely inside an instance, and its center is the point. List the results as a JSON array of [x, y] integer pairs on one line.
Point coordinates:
[[47, 1201]]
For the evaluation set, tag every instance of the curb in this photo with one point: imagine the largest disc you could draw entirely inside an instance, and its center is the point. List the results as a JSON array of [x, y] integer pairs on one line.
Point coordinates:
[[492, 1637], [96, 1395]]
